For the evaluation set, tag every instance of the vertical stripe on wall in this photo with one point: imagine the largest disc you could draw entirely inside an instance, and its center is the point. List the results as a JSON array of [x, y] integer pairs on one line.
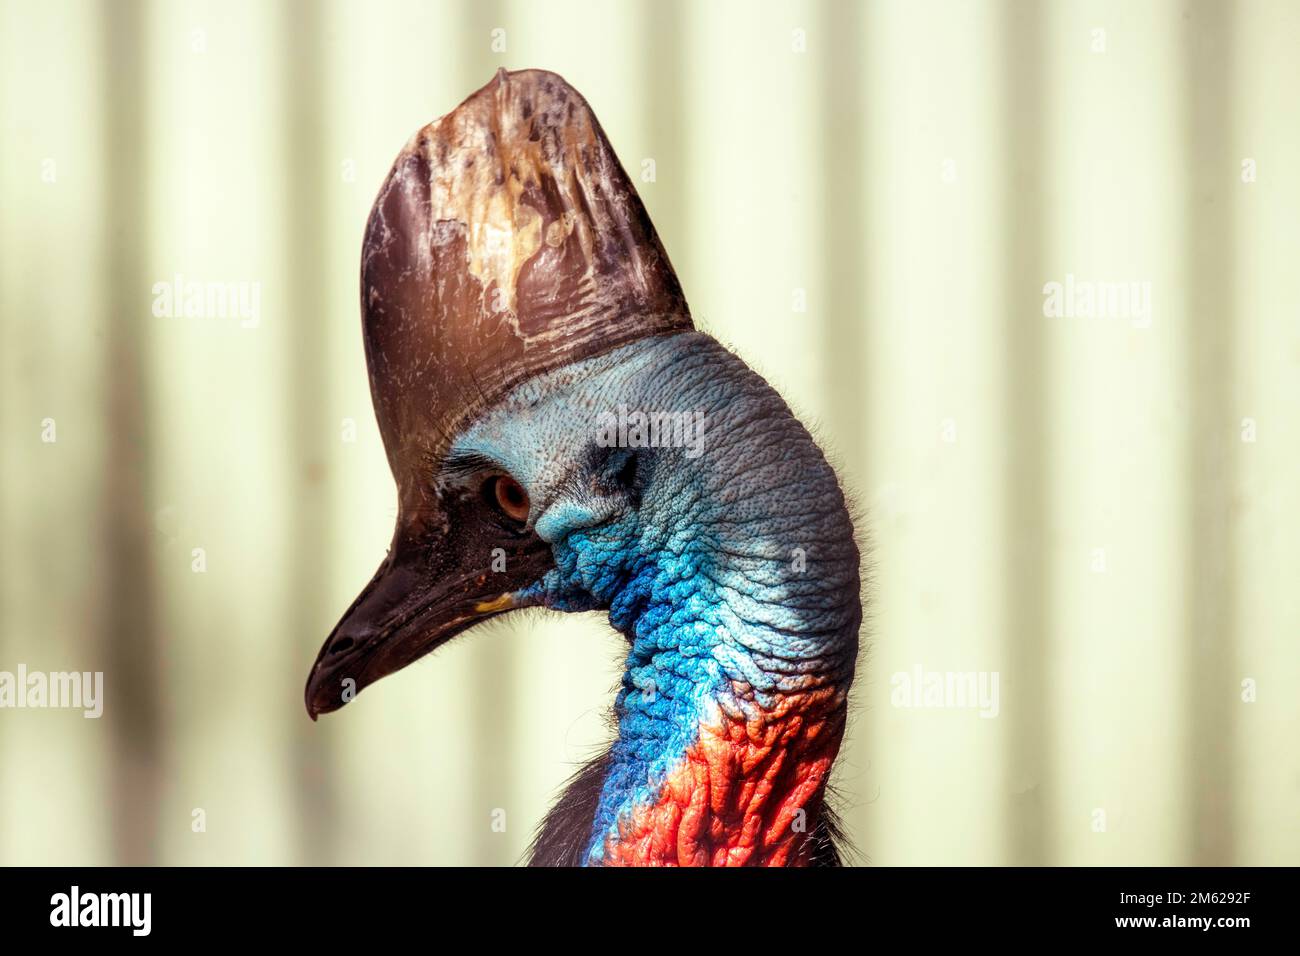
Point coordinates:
[[1026, 465], [1211, 328], [128, 626], [311, 437]]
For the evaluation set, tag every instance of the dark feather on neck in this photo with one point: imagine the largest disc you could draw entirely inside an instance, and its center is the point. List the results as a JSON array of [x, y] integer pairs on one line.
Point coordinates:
[[563, 836]]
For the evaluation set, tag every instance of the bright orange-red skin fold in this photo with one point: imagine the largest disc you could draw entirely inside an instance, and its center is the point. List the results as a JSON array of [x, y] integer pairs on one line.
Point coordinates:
[[747, 793]]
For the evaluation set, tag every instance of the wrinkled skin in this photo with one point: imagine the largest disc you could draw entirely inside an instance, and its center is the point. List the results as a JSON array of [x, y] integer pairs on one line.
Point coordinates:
[[733, 573]]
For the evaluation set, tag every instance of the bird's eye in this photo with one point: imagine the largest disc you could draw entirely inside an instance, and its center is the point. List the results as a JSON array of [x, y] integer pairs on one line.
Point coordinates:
[[508, 495]]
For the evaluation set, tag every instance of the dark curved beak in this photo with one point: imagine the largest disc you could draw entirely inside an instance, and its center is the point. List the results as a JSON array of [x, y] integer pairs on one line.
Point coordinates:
[[406, 611]]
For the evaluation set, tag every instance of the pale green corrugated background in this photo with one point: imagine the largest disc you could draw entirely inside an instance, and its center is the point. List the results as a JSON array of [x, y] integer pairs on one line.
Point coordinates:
[[216, 139]]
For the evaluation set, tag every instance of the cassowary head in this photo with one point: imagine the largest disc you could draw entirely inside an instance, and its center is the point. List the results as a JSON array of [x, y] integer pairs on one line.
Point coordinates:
[[561, 436]]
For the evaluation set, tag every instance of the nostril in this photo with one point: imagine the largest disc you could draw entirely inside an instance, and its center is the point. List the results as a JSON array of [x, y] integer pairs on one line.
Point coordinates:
[[340, 645]]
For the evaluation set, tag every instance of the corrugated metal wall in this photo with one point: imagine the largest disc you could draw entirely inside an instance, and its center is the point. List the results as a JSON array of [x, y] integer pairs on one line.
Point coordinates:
[[867, 201]]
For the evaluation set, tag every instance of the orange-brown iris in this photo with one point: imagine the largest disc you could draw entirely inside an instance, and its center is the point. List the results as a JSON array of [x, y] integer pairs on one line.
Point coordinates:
[[511, 497]]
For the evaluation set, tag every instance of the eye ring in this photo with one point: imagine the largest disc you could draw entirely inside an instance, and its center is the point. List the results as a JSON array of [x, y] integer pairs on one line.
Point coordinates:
[[508, 496]]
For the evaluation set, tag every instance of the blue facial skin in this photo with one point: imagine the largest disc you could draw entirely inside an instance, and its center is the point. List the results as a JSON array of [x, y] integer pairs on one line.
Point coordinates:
[[736, 565]]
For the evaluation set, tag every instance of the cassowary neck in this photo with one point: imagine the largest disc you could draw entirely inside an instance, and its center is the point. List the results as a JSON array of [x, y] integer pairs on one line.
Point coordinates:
[[730, 716], [739, 596]]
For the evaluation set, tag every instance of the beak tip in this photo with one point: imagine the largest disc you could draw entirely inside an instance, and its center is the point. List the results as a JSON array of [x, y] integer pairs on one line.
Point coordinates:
[[312, 697], [318, 699]]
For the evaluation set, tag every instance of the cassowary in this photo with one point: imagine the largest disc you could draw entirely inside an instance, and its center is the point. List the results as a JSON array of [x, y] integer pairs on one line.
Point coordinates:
[[562, 437]]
